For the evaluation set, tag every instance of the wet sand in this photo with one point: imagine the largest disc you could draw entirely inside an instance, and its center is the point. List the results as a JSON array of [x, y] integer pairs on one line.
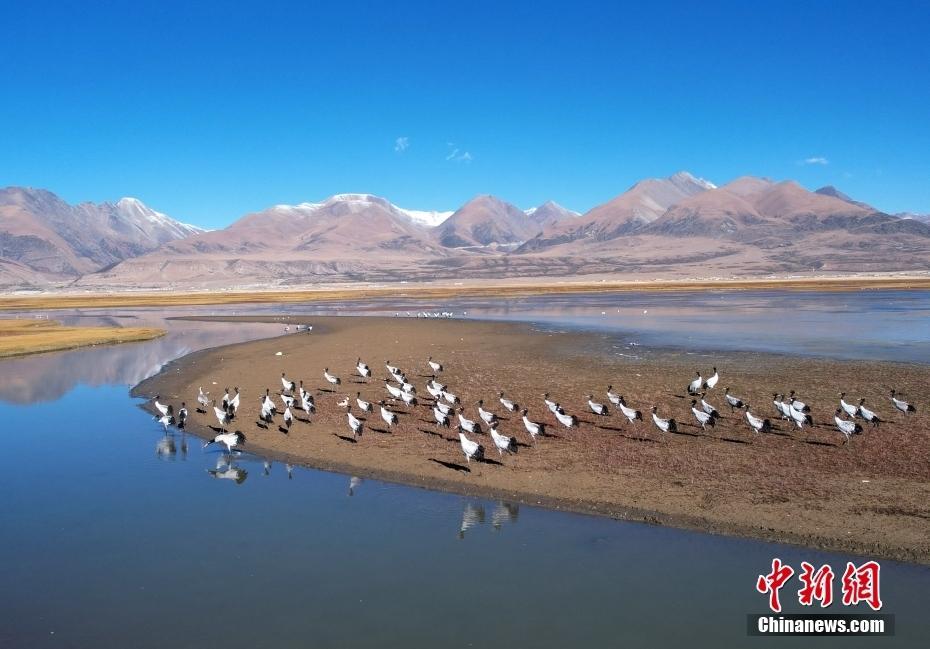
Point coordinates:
[[870, 497], [22, 337], [442, 290]]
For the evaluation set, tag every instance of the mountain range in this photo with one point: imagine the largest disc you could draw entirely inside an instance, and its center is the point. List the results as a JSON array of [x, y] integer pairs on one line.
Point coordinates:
[[680, 226]]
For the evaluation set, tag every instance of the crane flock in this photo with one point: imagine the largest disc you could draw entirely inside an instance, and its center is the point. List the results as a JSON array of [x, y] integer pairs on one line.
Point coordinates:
[[446, 408]]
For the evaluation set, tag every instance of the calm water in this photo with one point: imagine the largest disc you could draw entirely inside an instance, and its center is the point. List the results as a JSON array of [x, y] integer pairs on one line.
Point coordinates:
[[113, 535]]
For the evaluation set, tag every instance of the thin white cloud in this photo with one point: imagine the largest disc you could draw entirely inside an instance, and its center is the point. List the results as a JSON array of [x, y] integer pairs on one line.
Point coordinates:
[[457, 155], [401, 144], [816, 160]]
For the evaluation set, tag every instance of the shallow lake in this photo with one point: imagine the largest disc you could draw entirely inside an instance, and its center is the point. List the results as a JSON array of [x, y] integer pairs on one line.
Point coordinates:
[[114, 534]]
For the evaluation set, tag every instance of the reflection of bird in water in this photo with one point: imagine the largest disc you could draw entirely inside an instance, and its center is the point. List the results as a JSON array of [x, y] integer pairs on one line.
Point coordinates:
[[472, 515], [184, 444], [226, 470], [504, 513], [266, 467], [165, 449], [354, 482], [289, 469]]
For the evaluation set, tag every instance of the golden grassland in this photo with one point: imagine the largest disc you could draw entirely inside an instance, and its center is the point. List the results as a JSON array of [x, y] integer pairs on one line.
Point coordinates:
[[21, 337], [437, 292]]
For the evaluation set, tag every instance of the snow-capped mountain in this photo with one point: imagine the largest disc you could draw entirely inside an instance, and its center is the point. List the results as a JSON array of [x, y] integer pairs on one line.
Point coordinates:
[[428, 218], [43, 234]]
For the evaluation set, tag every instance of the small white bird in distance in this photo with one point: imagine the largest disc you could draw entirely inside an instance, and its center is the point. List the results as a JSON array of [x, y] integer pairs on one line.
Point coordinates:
[[436, 367]]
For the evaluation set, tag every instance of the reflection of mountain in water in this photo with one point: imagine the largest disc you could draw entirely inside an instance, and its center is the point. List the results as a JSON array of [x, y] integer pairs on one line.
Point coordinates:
[[46, 377]]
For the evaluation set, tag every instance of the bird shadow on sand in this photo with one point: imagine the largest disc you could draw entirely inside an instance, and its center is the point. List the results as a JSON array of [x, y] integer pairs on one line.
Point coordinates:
[[488, 460], [816, 442], [383, 431], [451, 465], [732, 440], [282, 429], [261, 425], [351, 440], [215, 429], [434, 433]]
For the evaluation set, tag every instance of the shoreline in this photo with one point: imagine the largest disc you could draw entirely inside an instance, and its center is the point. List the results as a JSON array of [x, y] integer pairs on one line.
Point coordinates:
[[465, 289], [693, 482]]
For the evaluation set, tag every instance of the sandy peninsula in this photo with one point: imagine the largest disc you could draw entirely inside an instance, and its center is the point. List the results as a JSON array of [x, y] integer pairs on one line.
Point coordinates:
[[21, 337], [870, 497]]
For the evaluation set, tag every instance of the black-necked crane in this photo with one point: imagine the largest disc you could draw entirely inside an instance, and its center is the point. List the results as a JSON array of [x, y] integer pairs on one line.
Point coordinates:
[[471, 449], [364, 406], [160, 407], [230, 440], [550, 404], [702, 417], [502, 442], [166, 419], [758, 424], [287, 400], [287, 384], [203, 400], [436, 384], [848, 428], [468, 425], [390, 418], [362, 368], [332, 379], [569, 421], [344, 403], [449, 397], [800, 417], [436, 367], [182, 416], [409, 398], [508, 404], [711, 382], [226, 398], [408, 387], [222, 416], [630, 413], [868, 415], [695, 386], [782, 408], [234, 402], [597, 408], [441, 418], [733, 402], [612, 396], [266, 413], [901, 405], [268, 403], [443, 408], [797, 404], [307, 404], [434, 392], [488, 416], [665, 425], [848, 408], [288, 418], [393, 390], [391, 368], [708, 408], [354, 424], [533, 428]]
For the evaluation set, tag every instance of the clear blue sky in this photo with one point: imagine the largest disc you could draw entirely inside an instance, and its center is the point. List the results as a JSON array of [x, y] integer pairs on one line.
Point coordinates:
[[212, 111]]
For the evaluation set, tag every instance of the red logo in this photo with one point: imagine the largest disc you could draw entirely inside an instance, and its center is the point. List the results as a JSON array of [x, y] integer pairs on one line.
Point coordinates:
[[860, 584]]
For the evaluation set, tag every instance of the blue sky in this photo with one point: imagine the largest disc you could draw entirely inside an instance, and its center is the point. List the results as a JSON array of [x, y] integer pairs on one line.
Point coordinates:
[[210, 111]]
